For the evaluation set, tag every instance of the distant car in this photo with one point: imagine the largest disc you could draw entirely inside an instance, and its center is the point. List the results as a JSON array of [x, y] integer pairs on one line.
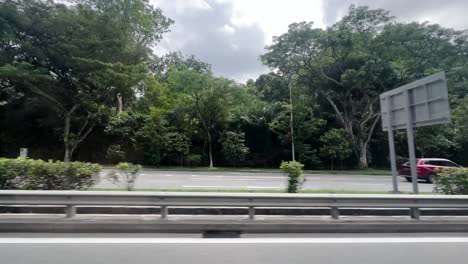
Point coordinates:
[[426, 168]]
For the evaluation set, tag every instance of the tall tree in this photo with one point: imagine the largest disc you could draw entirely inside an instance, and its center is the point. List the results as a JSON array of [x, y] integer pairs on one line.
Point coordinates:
[[78, 57], [350, 63], [234, 149], [210, 99]]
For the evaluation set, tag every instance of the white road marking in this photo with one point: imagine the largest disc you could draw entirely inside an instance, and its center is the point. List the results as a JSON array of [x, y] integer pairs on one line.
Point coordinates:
[[211, 186], [350, 240], [231, 187], [263, 187], [236, 177], [367, 184]]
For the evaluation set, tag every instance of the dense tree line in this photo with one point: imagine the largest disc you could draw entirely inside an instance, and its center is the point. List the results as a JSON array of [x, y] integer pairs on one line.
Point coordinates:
[[79, 81]]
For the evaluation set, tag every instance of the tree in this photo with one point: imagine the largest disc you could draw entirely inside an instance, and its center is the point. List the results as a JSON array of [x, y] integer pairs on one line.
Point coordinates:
[[335, 145], [176, 60], [349, 64], [78, 57], [233, 146], [176, 144], [210, 99], [433, 141]]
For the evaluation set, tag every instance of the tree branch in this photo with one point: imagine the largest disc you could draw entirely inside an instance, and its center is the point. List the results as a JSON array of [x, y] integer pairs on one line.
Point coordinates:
[[371, 130]]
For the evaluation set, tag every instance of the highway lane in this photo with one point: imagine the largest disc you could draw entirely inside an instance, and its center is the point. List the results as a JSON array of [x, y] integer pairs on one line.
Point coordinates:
[[350, 249], [169, 179]]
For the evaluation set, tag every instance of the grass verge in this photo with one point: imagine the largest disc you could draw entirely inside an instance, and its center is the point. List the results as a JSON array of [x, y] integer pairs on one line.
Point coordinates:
[[231, 169]]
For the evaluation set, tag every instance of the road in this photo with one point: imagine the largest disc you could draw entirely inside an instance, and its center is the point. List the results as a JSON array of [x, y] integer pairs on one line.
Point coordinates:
[[160, 179], [337, 248]]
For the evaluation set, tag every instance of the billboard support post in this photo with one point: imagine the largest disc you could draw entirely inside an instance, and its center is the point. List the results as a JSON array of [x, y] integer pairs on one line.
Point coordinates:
[[391, 145], [410, 136]]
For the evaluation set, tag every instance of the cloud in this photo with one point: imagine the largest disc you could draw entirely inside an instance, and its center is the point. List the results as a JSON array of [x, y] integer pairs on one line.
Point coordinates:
[[205, 29], [448, 13], [231, 34]]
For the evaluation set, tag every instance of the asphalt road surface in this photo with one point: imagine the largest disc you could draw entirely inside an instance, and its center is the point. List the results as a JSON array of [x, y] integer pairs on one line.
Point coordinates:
[[350, 249], [159, 179]]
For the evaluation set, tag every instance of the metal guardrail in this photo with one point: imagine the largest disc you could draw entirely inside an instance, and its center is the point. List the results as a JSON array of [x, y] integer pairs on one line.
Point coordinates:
[[72, 199]]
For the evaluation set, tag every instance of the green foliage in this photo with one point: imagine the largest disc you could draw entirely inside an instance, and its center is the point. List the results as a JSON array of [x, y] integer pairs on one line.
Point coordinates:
[[233, 146], [335, 145], [295, 175], [175, 144], [434, 141], [452, 181], [41, 175], [125, 175], [365, 53], [194, 160], [62, 67], [115, 153], [209, 100], [78, 57]]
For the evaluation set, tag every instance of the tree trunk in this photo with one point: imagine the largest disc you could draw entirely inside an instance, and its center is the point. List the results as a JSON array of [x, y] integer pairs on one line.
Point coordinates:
[[210, 150], [66, 138], [363, 157], [332, 164], [119, 103], [67, 155]]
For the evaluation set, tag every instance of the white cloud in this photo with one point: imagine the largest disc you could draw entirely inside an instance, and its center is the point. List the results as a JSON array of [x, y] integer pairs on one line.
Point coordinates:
[[231, 34], [275, 16]]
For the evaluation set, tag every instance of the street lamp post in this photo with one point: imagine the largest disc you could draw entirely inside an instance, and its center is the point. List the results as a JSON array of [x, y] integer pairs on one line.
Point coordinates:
[[292, 120]]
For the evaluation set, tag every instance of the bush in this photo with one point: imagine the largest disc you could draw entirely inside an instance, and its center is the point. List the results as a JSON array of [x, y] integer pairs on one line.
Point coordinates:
[[12, 170], [452, 181], [125, 175], [41, 175], [295, 175]]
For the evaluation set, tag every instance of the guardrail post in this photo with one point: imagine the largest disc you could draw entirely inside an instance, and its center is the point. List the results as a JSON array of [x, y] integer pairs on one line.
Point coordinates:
[[415, 213], [251, 212], [70, 210], [335, 214], [164, 212]]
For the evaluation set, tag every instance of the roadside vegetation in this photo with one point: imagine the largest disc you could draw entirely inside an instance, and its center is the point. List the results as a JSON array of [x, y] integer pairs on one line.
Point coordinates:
[[29, 174], [79, 81], [452, 181]]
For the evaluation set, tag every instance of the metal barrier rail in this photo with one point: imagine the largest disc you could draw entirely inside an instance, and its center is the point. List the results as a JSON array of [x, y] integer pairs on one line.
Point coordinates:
[[72, 199]]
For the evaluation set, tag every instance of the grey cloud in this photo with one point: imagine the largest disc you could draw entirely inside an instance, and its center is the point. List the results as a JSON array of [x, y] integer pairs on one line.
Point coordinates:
[[449, 13], [233, 53]]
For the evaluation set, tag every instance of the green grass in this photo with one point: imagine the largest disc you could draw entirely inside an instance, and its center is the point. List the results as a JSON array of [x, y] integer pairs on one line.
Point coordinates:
[[248, 191], [244, 169]]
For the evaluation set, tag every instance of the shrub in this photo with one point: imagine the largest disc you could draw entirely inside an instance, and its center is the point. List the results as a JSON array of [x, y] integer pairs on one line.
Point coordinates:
[[452, 181], [295, 175], [126, 175], [12, 170], [51, 175]]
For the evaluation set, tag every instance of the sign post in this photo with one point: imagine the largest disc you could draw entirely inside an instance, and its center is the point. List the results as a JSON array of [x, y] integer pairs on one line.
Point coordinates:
[[391, 144], [421, 103]]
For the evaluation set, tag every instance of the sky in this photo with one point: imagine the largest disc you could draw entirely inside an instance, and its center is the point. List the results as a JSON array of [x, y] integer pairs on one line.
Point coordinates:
[[232, 34]]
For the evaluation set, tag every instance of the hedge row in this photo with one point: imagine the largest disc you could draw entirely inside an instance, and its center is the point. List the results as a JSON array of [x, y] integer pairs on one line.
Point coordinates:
[[452, 181], [29, 174]]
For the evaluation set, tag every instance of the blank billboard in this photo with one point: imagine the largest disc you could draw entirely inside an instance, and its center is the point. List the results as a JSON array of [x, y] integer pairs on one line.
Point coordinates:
[[426, 98]]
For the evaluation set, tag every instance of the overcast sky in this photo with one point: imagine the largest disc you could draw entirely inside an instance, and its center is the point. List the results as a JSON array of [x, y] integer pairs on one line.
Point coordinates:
[[232, 34]]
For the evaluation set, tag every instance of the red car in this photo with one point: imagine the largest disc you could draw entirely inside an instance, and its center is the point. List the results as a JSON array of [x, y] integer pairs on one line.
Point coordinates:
[[425, 168]]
